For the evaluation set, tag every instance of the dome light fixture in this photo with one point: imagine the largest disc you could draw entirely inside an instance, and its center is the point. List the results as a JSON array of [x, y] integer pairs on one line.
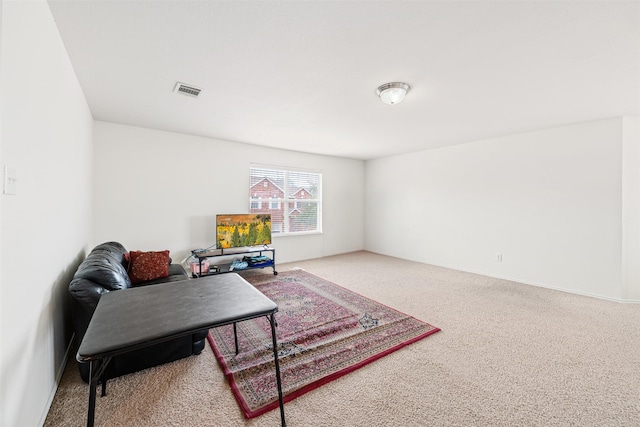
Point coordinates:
[[393, 93]]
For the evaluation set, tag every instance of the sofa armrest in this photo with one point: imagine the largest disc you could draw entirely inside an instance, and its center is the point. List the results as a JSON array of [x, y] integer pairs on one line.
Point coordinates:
[[178, 271]]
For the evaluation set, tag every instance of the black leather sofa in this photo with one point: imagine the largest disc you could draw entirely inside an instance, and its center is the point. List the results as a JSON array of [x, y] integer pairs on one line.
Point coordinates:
[[105, 270]]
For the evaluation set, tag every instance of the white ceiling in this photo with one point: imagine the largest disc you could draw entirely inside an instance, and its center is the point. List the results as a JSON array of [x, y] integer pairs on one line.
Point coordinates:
[[302, 75]]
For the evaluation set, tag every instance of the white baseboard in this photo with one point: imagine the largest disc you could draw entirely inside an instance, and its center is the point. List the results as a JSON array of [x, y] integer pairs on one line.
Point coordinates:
[[515, 280], [59, 374], [542, 285]]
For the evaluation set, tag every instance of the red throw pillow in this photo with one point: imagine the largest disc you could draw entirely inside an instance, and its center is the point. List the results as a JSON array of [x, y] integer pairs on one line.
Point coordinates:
[[145, 266]]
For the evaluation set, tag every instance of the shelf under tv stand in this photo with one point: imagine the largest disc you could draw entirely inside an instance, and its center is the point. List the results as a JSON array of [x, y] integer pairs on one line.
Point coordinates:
[[225, 267]]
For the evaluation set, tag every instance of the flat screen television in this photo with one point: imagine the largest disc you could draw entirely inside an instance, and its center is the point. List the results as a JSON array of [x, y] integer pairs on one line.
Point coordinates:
[[242, 230]]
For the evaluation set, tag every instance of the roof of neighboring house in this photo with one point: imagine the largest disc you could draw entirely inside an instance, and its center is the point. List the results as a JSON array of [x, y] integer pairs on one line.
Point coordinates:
[[301, 189], [267, 179]]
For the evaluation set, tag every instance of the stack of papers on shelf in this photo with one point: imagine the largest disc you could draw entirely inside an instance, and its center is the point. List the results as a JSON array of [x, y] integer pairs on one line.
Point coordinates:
[[258, 261]]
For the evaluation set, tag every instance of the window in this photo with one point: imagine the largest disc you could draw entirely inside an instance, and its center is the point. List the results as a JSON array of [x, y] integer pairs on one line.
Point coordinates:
[[275, 204], [295, 198], [254, 202]]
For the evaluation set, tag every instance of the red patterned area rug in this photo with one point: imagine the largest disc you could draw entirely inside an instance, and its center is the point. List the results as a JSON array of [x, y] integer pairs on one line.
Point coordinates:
[[324, 331]]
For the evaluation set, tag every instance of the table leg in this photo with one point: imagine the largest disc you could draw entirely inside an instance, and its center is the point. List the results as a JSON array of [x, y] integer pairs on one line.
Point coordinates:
[[235, 336], [272, 320], [97, 369], [103, 381], [93, 383]]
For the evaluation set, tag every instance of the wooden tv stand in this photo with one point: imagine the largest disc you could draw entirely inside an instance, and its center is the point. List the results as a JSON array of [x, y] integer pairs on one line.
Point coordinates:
[[225, 267]]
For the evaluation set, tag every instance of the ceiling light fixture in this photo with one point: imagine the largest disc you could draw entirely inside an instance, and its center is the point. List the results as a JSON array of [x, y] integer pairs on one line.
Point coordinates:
[[393, 93]]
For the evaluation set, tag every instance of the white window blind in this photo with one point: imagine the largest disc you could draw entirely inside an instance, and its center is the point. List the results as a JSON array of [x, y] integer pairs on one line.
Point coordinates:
[[292, 197]]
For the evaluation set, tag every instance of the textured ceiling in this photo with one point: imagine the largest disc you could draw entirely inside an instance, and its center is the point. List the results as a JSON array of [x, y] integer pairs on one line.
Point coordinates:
[[302, 75]]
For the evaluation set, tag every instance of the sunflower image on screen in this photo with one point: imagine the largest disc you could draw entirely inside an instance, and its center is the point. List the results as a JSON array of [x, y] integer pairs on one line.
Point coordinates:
[[242, 230]]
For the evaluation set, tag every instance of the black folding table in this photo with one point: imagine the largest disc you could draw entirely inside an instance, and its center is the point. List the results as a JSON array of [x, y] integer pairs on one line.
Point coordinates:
[[130, 319]]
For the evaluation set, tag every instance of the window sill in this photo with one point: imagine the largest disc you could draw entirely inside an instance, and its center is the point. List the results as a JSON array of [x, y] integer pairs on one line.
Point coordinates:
[[300, 233]]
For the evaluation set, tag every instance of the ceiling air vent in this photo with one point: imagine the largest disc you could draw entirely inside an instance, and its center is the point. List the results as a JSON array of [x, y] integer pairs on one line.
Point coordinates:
[[187, 90]]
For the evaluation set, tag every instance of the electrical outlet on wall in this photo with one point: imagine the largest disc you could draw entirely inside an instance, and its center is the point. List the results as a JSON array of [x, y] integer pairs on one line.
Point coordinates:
[[499, 257], [10, 180]]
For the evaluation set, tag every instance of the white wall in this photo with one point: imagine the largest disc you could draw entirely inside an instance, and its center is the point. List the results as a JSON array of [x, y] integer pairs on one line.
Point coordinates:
[[160, 190], [45, 228], [1, 199], [549, 201], [631, 208]]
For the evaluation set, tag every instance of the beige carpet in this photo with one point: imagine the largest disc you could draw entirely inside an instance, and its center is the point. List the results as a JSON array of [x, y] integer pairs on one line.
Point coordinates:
[[508, 355]]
